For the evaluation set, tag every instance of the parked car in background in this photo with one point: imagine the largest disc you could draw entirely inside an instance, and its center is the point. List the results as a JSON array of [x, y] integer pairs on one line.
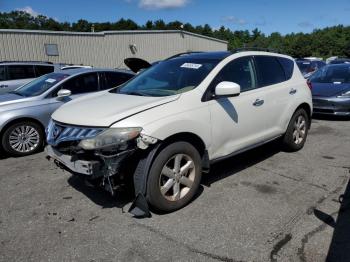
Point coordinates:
[[25, 112], [168, 123], [331, 90], [15, 74], [340, 61], [308, 67]]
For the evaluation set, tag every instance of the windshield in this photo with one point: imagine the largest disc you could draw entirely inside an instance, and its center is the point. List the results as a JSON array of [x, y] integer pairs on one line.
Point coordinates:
[[169, 77], [332, 74], [40, 85]]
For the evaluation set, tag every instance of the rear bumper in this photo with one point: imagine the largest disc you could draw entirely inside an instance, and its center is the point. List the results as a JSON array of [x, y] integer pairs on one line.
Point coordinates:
[[331, 106], [88, 168]]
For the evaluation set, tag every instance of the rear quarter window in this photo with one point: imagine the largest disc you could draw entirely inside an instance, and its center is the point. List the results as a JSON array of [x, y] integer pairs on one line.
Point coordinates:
[[43, 70], [2, 73], [114, 79], [270, 70], [288, 66]]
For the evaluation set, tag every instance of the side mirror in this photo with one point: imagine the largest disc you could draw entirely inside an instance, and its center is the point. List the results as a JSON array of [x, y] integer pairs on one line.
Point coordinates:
[[226, 88], [63, 93]]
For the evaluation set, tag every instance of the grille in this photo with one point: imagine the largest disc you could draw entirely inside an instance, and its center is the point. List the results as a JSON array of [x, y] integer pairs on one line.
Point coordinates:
[[57, 133]]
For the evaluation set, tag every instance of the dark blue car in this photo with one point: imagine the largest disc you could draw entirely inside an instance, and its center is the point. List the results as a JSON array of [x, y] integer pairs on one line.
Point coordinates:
[[331, 90], [308, 67]]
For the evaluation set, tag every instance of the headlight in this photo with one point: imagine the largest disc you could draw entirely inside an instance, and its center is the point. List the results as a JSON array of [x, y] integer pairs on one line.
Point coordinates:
[[110, 137], [346, 94]]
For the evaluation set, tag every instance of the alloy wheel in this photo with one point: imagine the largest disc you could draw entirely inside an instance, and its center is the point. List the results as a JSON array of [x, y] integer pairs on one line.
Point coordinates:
[[24, 139], [299, 129], [177, 177]]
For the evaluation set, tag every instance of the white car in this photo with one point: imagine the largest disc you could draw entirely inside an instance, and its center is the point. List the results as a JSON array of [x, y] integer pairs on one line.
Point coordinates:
[[165, 126]]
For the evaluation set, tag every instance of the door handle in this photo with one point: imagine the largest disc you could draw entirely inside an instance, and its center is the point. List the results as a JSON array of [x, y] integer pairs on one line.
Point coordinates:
[[2, 86], [258, 102], [292, 91]]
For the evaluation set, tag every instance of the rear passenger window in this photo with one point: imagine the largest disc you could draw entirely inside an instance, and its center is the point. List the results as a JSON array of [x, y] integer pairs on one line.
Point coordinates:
[[288, 66], [2, 73], [20, 72], [43, 70], [114, 79], [270, 71]]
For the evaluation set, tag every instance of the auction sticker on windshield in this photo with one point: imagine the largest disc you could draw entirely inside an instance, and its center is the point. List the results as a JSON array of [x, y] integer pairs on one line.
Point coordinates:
[[50, 80], [191, 65]]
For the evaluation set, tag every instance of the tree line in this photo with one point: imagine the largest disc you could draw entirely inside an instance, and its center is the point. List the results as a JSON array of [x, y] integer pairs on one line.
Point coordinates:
[[326, 42]]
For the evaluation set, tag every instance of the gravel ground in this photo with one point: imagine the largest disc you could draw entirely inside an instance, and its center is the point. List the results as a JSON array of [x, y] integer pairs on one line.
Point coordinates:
[[263, 205]]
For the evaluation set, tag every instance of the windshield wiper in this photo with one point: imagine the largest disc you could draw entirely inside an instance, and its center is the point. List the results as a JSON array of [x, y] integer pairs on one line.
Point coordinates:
[[16, 93], [134, 93]]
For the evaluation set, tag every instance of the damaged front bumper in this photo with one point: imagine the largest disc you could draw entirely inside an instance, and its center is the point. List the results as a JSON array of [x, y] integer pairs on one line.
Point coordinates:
[[100, 166], [89, 168]]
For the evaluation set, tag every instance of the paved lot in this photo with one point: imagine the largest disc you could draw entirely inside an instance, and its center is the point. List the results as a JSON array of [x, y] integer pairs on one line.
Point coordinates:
[[264, 205]]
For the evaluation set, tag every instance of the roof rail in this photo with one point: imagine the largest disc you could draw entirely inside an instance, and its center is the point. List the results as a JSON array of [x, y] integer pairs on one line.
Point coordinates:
[[256, 49], [15, 61], [184, 53]]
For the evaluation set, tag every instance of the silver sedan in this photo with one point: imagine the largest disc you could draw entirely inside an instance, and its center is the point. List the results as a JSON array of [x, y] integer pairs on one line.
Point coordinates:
[[25, 112]]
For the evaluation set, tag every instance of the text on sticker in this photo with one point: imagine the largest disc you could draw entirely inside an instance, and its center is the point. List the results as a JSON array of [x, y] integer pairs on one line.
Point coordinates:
[[191, 65], [50, 80]]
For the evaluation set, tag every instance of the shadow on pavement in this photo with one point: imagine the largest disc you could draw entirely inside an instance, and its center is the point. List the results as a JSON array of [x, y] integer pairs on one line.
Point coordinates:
[[219, 171], [99, 196], [235, 164], [339, 249]]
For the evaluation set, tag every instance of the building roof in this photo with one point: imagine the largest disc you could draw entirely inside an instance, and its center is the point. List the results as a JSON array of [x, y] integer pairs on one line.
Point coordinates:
[[103, 33]]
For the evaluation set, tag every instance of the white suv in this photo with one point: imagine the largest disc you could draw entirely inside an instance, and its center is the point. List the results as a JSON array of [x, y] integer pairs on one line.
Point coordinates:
[[165, 126]]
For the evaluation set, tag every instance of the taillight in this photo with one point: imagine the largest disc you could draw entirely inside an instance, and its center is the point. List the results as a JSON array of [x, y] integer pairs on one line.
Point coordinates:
[[309, 84]]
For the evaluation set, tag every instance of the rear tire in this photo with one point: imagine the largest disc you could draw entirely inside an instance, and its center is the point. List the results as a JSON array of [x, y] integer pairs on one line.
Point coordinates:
[[174, 177], [23, 138], [295, 136]]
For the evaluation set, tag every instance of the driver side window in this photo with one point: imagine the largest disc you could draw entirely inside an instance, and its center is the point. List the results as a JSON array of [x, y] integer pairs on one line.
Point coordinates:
[[82, 84], [240, 71]]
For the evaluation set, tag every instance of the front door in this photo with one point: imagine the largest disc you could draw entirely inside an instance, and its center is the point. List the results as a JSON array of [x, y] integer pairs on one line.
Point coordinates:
[[237, 122]]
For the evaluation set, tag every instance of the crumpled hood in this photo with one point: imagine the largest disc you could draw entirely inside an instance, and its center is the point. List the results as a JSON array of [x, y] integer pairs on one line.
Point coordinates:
[[102, 109], [328, 89]]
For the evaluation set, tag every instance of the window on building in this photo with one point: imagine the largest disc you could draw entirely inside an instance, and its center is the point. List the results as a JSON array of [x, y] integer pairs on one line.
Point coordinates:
[[51, 49]]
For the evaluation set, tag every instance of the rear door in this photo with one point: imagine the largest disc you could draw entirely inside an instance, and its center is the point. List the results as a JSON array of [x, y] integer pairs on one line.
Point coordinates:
[[273, 75], [16, 76]]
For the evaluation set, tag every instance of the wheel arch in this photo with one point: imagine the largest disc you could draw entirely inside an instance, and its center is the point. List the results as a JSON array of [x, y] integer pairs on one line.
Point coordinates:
[[21, 119], [307, 108], [189, 137], [192, 139]]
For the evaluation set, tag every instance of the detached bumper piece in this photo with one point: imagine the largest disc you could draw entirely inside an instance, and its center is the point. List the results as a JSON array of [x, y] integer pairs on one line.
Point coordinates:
[[89, 168]]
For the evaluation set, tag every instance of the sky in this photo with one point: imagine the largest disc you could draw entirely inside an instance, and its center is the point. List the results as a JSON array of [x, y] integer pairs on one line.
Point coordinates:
[[283, 16]]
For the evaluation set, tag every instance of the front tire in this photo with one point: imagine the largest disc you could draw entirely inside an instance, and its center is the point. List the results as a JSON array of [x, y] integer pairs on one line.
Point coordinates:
[[174, 177], [23, 138], [295, 136]]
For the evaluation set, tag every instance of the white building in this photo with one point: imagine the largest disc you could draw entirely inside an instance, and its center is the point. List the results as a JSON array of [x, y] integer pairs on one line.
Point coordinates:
[[101, 49]]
